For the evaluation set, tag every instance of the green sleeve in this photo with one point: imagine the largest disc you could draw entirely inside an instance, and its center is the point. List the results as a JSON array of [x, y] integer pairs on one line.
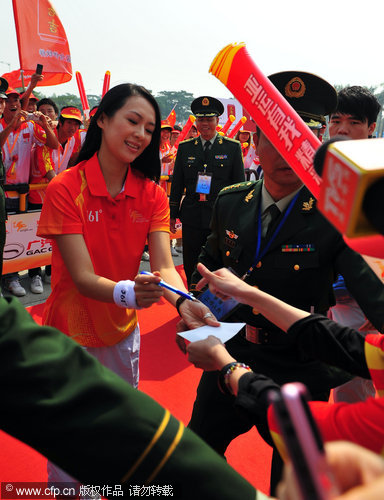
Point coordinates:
[[61, 401]]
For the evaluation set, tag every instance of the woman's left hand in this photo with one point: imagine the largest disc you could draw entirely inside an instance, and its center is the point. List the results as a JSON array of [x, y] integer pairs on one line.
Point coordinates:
[[147, 290], [194, 314]]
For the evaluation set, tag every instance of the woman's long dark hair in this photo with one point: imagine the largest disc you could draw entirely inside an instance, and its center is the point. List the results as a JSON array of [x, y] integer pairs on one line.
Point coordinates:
[[148, 163]]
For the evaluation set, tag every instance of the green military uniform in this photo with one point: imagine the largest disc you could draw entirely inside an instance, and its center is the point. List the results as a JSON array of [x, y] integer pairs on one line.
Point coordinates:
[[304, 256], [223, 161], [299, 268], [60, 400]]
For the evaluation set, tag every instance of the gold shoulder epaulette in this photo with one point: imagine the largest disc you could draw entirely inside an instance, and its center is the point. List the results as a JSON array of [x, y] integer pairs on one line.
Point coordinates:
[[187, 140], [240, 186], [229, 138]]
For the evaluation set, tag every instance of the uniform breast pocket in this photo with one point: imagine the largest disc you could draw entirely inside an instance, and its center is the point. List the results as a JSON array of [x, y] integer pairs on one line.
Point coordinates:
[[190, 169], [296, 261], [221, 168], [233, 252]]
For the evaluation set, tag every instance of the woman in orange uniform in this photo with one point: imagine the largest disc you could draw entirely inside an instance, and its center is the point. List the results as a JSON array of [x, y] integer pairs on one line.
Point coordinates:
[[99, 215]]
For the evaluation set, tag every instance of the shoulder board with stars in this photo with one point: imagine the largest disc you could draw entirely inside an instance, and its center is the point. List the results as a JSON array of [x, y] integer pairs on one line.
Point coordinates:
[[234, 188]]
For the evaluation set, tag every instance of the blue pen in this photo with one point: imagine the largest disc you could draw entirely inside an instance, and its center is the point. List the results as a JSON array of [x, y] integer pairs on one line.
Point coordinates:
[[162, 283]]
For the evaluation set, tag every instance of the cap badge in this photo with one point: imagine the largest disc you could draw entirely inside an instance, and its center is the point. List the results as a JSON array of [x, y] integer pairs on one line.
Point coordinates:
[[295, 88], [205, 101]]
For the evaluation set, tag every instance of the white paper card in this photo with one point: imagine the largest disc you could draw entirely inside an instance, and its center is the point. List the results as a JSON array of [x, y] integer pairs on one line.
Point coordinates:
[[223, 332]]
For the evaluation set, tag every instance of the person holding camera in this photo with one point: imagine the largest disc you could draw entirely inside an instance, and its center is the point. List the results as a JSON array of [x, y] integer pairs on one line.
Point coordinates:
[[19, 132]]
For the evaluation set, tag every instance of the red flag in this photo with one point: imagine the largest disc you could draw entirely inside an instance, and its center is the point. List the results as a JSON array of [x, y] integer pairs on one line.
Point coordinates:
[[172, 118], [231, 110], [41, 39]]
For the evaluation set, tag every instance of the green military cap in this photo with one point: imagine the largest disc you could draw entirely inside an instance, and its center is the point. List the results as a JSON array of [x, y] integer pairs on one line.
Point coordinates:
[[308, 94], [207, 106], [3, 87]]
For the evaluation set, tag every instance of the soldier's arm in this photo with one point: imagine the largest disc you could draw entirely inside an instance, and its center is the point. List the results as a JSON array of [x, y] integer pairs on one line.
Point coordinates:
[[74, 403], [210, 254]]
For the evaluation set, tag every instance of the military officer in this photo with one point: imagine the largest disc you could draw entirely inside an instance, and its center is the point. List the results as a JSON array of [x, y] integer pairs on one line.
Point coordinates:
[[271, 232], [94, 425], [203, 166]]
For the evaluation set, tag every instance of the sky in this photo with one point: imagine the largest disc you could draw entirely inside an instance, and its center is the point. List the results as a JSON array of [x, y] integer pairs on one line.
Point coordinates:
[[169, 45]]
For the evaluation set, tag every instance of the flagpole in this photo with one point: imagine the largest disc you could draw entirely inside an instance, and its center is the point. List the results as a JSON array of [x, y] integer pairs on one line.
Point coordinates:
[[22, 79]]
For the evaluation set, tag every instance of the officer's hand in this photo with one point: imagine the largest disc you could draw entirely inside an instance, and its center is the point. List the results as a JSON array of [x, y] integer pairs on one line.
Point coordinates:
[[222, 283], [172, 225], [147, 290]]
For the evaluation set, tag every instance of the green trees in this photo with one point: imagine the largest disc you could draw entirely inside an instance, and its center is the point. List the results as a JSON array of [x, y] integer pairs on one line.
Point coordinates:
[[166, 100]]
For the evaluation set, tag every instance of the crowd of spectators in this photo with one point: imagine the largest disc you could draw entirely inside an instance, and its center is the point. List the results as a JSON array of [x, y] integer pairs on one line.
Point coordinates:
[[38, 142]]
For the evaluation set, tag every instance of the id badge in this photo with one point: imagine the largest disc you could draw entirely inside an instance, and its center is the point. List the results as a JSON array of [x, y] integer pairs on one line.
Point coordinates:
[[203, 185], [220, 308]]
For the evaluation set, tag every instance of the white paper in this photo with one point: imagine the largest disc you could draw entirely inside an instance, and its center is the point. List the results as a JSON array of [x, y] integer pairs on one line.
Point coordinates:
[[223, 332]]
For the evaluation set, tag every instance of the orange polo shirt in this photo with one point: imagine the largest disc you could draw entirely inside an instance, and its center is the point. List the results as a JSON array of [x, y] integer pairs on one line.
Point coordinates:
[[115, 232]]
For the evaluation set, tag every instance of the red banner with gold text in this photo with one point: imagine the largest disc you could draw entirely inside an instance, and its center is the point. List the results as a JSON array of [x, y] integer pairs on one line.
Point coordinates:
[[41, 39]]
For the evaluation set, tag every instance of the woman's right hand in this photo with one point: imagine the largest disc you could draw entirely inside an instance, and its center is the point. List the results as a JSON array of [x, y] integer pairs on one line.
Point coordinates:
[[147, 290]]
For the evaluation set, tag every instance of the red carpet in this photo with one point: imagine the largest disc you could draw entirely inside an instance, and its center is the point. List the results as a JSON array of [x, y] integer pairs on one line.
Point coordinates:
[[166, 375]]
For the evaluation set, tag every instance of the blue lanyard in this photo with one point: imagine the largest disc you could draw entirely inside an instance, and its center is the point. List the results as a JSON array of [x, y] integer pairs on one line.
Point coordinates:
[[260, 254]]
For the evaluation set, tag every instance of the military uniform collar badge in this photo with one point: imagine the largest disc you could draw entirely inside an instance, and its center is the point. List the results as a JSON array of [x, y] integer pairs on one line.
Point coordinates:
[[196, 142], [249, 196], [231, 234], [220, 140], [308, 205]]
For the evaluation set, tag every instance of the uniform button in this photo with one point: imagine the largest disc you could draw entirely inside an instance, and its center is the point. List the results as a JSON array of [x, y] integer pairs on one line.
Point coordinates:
[[205, 165], [227, 253], [259, 264], [296, 267], [221, 165]]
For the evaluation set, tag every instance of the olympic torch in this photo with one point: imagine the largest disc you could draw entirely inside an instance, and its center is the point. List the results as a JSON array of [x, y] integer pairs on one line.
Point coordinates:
[[228, 123], [106, 83], [83, 95], [187, 127], [237, 127]]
